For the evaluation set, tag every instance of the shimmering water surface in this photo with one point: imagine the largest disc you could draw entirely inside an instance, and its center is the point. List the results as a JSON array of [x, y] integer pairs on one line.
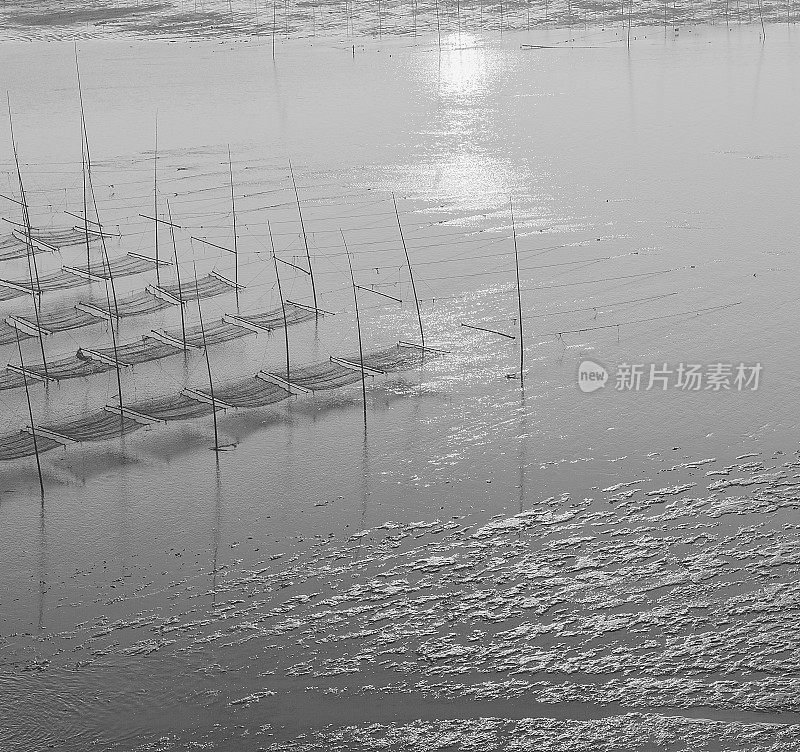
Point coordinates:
[[490, 566]]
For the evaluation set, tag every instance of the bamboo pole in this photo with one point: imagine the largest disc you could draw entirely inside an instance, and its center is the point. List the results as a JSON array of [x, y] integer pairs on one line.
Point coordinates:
[[110, 282], [33, 272], [630, 14], [305, 238], [30, 414], [410, 273], [155, 199], [213, 245], [178, 275], [235, 246], [519, 295], [106, 261], [486, 329], [208, 361], [378, 292], [85, 207], [358, 328], [283, 302]]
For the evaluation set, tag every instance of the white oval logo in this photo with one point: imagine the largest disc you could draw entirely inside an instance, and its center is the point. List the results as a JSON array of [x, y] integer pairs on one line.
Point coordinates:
[[591, 376]]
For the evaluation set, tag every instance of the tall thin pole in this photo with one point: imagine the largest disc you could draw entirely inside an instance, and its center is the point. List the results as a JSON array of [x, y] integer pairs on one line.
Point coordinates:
[[410, 273], [273, 30], [113, 294], [235, 246], [85, 160], [107, 263], [630, 14], [208, 361], [85, 206], [280, 293], [358, 328], [109, 280], [30, 414], [519, 294], [33, 272], [305, 238], [155, 198], [178, 275]]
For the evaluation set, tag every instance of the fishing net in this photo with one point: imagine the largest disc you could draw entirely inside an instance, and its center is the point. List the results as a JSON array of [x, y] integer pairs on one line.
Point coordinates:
[[66, 368], [215, 332], [249, 393], [124, 266], [132, 353], [323, 376], [140, 304], [59, 280], [11, 380], [64, 279], [19, 445], [173, 407], [9, 293], [58, 237], [136, 304], [207, 287], [13, 248], [60, 320], [90, 361], [392, 358], [97, 426], [8, 334], [274, 319]]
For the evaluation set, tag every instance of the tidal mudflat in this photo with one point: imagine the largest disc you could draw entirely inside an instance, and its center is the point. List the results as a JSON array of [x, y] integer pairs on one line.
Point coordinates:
[[490, 564]]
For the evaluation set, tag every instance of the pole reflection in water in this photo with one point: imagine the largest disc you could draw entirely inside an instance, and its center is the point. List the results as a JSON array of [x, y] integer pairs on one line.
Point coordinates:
[[43, 566], [365, 492], [216, 525]]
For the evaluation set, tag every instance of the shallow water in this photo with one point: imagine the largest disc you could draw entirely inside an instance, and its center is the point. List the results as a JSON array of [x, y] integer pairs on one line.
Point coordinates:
[[590, 571]]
